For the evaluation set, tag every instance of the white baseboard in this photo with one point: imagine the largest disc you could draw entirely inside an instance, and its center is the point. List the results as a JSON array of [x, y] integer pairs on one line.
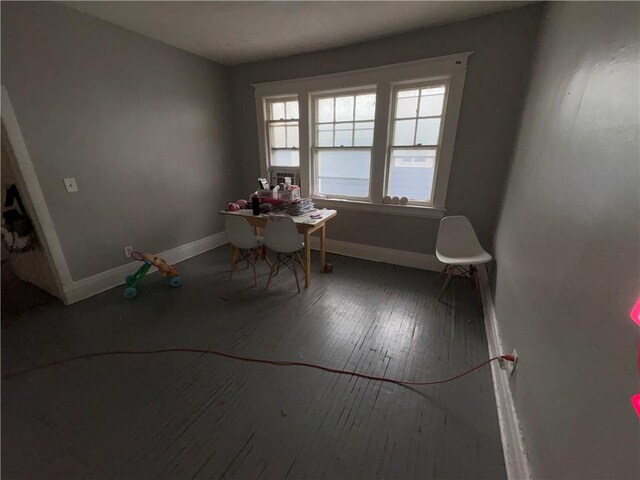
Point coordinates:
[[404, 258], [101, 282], [513, 443]]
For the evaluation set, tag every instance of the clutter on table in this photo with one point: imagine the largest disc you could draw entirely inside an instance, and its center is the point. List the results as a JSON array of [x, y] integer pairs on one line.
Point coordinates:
[[284, 197], [300, 207]]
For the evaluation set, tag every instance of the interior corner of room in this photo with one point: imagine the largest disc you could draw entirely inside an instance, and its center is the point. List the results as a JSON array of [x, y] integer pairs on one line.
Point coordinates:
[[303, 225]]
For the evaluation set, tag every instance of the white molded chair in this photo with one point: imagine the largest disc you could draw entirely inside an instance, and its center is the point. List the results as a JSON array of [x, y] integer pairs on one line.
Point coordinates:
[[247, 246], [457, 247], [281, 236]]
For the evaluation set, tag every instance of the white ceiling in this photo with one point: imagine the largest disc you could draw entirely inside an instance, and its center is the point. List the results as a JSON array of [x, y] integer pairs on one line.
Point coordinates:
[[231, 33]]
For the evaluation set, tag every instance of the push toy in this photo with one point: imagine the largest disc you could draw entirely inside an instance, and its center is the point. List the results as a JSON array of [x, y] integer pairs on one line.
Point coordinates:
[[150, 260]]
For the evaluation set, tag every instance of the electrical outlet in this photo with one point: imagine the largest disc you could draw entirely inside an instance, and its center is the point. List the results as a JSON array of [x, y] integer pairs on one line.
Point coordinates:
[[511, 366], [127, 251], [70, 184]]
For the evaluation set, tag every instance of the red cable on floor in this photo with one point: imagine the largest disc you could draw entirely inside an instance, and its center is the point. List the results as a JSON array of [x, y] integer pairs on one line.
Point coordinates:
[[253, 360]]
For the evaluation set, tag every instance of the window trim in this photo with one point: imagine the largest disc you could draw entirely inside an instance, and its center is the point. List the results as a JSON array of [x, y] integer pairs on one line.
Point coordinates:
[[449, 67]]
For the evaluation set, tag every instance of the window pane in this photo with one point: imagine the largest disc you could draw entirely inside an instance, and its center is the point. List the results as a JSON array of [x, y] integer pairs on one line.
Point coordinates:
[[344, 109], [411, 173], [278, 139], [292, 136], [428, 131], [285, 158], [407, 107], [325, 110], [363, 134], [408, 93], [366, 107], [344, 172], [431, 105], [439, 90], [403, 132], [292, 109], [325, 135], [344, 135], [277, 110]]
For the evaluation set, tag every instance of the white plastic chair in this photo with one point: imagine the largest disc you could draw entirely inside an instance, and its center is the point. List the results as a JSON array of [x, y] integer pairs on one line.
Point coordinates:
[[457, 247], [281, 236], [247, 245]]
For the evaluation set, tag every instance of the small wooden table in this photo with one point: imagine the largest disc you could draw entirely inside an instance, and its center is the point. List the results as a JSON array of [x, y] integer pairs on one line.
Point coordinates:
[[306, 226]]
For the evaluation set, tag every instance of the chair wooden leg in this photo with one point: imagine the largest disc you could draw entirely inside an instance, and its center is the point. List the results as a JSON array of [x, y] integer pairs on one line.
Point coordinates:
[[301, 262], [254, 260], [295, 272], [271, 273], [476, 280], [235, 251], [446, 282], [444, 270]]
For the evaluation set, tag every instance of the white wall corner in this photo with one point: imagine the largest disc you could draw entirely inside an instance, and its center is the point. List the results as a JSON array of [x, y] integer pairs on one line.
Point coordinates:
[[404, 258], [513, 441], [89, 286]]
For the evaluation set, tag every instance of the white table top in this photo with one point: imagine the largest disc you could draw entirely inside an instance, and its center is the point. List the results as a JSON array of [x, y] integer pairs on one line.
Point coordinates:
[[306, 218]]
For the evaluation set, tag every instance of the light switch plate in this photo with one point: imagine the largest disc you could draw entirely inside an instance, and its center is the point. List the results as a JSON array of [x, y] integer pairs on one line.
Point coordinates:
[[71, 185]]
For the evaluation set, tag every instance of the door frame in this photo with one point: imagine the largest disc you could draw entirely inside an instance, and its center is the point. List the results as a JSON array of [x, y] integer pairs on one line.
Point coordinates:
[[29, 186]]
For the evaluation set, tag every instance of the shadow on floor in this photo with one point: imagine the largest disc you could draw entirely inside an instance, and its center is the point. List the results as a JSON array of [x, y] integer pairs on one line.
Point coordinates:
[[18, 297]]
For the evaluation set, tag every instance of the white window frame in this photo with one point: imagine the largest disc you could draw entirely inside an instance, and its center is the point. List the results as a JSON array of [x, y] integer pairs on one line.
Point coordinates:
[[268, 121], [392, 119], [450, 68], [312, 139]]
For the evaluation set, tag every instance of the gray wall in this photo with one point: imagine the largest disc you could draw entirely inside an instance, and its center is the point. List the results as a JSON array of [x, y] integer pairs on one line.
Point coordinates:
[[567, 246], [142, 126], [493, 97]]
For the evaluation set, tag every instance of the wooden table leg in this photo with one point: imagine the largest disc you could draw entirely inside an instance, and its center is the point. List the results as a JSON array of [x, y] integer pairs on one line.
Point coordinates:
[[307, 260], [323, 258]]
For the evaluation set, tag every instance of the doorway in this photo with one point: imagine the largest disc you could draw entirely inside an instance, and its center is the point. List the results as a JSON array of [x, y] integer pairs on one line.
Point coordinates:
[[27, 280]]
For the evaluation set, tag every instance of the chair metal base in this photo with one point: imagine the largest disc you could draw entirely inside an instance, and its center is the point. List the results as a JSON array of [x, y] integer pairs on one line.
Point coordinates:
[[471, 272], [288, 260], [252, 256]]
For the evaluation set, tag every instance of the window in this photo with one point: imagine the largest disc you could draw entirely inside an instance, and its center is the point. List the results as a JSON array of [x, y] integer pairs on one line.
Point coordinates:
[[358, 137], [283, 136], [342, 143], [415, 137]]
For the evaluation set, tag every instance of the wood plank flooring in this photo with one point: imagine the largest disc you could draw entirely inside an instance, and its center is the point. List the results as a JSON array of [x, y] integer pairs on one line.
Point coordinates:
[[193, 416]]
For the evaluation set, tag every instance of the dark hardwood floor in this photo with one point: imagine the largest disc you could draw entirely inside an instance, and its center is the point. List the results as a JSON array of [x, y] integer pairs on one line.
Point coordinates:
[[184, 416]]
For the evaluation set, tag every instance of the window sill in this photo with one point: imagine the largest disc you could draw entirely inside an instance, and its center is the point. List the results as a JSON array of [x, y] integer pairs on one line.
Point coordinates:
[[387, 209]]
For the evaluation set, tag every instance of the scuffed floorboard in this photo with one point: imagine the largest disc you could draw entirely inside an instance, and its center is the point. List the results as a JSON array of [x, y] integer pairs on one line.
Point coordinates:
[[193, 416]]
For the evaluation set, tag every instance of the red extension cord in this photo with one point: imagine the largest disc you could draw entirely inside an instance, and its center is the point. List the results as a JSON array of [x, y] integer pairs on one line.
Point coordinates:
[[254, 360]]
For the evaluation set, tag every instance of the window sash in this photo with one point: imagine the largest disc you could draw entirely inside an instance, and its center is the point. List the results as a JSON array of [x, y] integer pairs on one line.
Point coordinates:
[[334, 95], [317, 176], [391, 144], [285, 122], [316, 149]]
